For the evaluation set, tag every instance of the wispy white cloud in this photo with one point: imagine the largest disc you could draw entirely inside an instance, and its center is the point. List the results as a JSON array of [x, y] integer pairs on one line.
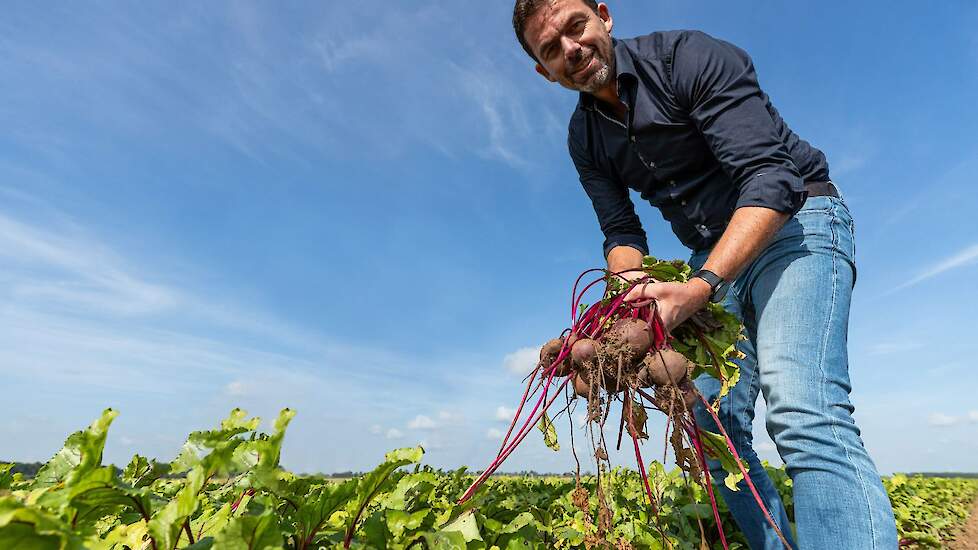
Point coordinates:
[[942, 420], [421, 422], [886, 348], [852, 150], [125, 344], [964, 257], [494, 433], [74, 271], [236, 388], [505, 414], [394, 433], [505, 119], [450, 418], [522, 361], [431, 444], [973, 416]]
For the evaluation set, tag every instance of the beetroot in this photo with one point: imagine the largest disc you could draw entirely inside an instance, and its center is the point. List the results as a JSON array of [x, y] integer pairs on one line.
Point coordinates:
[[663, 367], [634, 338], [689, 393], [584, 352], [581, 386], [549, 354]]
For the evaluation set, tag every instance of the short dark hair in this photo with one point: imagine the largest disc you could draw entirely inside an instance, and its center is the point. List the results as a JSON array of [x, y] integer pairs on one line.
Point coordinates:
[[524, 9]]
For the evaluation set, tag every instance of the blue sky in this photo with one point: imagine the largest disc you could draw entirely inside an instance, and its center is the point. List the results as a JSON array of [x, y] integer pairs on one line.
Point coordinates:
[[366, 212]]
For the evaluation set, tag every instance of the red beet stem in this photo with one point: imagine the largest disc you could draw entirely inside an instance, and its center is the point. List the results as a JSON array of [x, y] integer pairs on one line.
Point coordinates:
[[743, 470], [694, 436], [575, 298], [638, 454], [526, 394], [521, 435]]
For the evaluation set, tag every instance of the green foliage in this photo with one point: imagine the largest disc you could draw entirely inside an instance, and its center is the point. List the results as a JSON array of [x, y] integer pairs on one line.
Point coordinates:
[[233, 494], [715, 447], [928, 510]]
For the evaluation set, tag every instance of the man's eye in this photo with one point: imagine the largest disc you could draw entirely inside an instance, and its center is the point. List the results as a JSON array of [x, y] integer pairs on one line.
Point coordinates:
[[578, 27]]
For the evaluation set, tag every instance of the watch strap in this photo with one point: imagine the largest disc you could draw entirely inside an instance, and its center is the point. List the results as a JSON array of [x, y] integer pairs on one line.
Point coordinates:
[[718, 287]]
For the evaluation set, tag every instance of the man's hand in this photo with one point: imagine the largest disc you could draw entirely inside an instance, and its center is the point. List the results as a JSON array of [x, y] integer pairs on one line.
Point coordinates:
[[676, 302], [627, 261]]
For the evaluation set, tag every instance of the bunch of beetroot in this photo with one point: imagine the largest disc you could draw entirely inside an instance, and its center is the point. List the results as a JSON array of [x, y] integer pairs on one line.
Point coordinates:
[[614, 352], [631, 354]]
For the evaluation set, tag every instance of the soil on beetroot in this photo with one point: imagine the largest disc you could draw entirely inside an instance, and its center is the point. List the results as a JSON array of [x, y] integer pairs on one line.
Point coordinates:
[[967, 538]]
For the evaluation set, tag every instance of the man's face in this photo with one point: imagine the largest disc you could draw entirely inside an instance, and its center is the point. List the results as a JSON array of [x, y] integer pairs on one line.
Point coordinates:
[[572, 44]]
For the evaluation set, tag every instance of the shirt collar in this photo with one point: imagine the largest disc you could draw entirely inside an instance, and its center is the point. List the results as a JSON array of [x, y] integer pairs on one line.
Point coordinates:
[[624, 68]]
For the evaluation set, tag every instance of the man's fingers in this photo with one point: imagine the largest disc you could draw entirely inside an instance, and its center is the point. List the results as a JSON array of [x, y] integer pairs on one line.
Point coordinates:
[[641, 295]]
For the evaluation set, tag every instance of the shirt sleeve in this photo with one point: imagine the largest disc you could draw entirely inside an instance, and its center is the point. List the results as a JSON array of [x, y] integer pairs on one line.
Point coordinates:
[[716, 81], [614, 208]]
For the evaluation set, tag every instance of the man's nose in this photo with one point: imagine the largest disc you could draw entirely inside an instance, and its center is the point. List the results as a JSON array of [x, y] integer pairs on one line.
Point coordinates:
[[572, 49]]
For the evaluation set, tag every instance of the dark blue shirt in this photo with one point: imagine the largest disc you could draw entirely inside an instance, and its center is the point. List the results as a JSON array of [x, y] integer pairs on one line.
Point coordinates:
[[701, 139]]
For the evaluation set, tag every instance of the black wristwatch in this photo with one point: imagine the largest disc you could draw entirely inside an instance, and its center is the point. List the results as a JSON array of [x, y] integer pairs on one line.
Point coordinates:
[[718, 287]]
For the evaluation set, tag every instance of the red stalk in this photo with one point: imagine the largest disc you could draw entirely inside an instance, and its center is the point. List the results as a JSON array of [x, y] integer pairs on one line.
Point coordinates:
[[532, 419], [694, 436], [638, 457], [743, 470], [512, 424], [575, 301]]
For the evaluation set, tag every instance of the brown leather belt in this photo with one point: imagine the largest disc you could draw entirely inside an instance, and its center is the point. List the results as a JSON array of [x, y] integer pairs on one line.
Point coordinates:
[[821, 189]]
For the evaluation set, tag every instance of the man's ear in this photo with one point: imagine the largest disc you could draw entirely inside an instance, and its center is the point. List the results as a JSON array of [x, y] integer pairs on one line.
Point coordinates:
[[605, 16], [544, 73]]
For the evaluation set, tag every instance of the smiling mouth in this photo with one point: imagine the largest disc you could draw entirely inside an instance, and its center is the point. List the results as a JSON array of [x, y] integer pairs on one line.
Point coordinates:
[[584, 66]]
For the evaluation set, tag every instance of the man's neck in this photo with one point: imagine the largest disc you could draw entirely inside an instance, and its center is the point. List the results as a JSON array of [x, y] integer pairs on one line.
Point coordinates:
[[611, 101]]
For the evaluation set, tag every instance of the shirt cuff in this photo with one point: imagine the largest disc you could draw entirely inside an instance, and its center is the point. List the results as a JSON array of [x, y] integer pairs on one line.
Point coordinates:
[[635, 241], [774, 190]]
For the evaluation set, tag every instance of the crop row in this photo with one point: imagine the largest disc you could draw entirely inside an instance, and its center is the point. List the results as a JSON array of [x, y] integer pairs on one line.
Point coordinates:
[[226, 490]]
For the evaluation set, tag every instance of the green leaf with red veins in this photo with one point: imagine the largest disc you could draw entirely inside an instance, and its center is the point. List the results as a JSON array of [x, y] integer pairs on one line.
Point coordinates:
[[379, 480], [316, 506]]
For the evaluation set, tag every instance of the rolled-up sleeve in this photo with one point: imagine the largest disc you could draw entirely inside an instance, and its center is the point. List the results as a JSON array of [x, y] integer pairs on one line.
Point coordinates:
[[716, 81], [614, 208]]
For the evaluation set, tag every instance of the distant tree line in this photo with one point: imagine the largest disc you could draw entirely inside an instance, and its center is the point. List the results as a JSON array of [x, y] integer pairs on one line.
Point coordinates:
[[29, 470], [959, 475]]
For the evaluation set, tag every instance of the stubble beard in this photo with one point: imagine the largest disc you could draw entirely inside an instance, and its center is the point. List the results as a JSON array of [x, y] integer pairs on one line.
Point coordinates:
[[601, 77]]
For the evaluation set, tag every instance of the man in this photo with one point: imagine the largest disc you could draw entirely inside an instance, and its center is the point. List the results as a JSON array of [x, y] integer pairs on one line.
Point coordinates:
[[680, 118]]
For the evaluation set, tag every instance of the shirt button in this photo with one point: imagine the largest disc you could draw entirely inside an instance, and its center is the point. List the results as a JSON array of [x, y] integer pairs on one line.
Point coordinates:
[[672, 183], [683, 203], [633, 139]]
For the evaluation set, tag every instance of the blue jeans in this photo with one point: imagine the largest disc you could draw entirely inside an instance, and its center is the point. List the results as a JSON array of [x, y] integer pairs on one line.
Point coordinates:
[[794, 303]]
